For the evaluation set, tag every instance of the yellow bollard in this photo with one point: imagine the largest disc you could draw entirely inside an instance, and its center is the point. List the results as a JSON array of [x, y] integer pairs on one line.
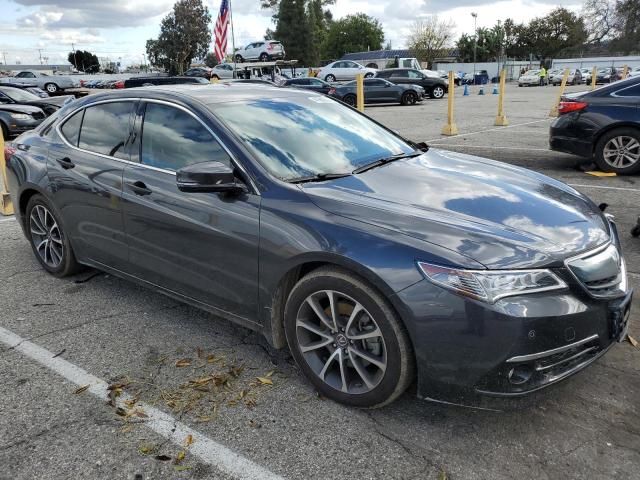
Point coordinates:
[[360, 92], [625, 72], [6, 207], [501, 119], [594, 76], [450, 128], [563, 85]]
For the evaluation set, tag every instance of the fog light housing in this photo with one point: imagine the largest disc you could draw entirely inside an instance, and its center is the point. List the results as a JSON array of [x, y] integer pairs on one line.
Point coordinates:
[[520, 374]]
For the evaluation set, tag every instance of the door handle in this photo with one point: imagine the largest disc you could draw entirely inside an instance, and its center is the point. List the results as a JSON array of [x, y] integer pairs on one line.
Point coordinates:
[[139, 188], [65, 163]]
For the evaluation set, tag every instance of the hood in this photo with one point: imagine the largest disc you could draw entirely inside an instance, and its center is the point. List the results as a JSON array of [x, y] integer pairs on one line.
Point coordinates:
[[495, 214], [20, 108], [55, 101]]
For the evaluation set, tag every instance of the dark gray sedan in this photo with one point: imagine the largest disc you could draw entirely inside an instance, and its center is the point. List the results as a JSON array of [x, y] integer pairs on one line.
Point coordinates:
[[374, 259], [16, 119], [377, 90]]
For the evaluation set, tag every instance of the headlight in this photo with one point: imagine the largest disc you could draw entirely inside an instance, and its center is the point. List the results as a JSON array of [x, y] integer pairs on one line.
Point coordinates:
[[492, 285], [20, 116]]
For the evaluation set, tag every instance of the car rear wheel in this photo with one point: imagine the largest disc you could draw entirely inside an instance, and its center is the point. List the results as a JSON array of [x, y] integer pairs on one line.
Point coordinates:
[[347, 339], [215, 77], [350, 99], [330, 78], [437, 92], [264, 57], [409, 98], [51, 88], [50, 244], [368, 75], [239, 59], [619, 151]]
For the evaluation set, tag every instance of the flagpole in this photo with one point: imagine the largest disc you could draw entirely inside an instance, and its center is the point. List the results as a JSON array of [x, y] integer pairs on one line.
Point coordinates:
[[233, 41]]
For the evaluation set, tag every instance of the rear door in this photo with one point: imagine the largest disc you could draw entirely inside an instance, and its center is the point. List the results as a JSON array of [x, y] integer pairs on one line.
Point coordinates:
[[203, 246], [400, 77], [85, 167]]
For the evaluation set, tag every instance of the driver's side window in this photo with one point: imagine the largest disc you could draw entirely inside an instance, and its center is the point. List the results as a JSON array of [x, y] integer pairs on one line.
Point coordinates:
[[173, 139]]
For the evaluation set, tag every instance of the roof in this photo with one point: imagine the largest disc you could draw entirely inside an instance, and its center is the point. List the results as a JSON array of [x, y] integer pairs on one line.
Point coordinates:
[[377, 54], [208, 94]]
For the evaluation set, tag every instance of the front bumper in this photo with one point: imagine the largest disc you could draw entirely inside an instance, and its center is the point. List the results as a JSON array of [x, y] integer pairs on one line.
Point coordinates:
[[466, 348]]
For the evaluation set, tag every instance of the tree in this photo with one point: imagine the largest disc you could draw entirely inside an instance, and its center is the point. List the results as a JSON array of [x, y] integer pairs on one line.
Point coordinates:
[[557, 31], [353, 33], [210, 60], [84, 61], [601, 19], [628, 39], [184, 35], [292, 29], [430, 38]]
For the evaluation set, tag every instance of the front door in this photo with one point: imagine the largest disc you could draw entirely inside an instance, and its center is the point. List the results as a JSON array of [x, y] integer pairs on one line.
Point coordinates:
[[85, 170], [201, 245]]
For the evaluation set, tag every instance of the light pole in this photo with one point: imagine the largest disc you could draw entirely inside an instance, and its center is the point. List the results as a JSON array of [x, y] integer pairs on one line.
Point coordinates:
[[475, 43]]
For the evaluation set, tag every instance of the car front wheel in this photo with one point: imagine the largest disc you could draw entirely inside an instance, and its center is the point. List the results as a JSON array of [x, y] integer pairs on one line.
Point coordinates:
[[619, 151], [347, 339], [48, 239], [350, 100]]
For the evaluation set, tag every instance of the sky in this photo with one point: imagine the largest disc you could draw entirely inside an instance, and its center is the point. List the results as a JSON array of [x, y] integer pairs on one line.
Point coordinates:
[[118, 29]]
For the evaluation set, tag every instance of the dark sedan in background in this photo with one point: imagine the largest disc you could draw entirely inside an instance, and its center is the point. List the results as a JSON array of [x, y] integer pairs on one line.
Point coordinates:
[[603, 124], [16, 96], [375, 259], [435, 87], [16, 119], [311, 83], [378, 90], [32, 88]]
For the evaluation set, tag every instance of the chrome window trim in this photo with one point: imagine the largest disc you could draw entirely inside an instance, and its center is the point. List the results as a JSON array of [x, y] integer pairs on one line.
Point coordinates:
[[234, 160], [615, 94]]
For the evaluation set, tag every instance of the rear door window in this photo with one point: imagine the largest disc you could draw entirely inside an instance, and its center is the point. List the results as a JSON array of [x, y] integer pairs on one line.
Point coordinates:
[[71, 128], [106, 129]]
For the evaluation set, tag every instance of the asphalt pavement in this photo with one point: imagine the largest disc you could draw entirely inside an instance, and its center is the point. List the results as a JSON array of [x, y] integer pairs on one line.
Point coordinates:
[[196, 397]]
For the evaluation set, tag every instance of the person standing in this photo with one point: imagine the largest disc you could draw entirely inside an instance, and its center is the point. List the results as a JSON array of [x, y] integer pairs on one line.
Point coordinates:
[[543, 75]]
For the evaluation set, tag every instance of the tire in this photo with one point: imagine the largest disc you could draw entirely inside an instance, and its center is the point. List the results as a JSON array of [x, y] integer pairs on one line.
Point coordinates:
[[409, 98], [62, 261], [239, 59], [350, 99], [437, 92], [368, 75], [264, 57], [215, 77], [51, 88], [619, 151], [330, 78], [364, 384], [635, 231]]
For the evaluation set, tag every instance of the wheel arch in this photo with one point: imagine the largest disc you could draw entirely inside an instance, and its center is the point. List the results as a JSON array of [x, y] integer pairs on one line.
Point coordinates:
[[609, 128], [274, 325]]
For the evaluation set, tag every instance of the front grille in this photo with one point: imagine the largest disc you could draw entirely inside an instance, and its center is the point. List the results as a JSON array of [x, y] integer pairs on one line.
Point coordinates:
[[601, 272]]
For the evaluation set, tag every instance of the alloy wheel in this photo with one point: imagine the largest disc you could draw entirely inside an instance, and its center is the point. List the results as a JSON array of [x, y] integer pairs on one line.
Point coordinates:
[[46, 236], [621, 152], [438, 92], [341, 342]]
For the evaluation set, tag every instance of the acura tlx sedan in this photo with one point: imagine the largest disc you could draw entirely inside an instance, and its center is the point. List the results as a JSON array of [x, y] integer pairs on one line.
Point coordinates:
[[376, 261]]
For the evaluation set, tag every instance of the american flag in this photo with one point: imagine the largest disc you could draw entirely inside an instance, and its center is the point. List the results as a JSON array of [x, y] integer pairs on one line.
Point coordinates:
[[220, 31]]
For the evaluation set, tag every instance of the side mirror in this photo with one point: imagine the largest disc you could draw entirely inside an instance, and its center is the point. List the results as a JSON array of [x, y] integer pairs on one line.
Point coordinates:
[[208, 177]]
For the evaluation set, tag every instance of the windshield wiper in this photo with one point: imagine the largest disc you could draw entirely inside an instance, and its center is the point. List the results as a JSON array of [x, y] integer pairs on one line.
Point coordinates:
[[384, 161], [320, 177]]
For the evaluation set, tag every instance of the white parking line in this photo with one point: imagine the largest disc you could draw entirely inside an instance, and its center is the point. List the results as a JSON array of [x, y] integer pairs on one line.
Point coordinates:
[[8, 219], [207, 450], [489, 130], [622, 189]]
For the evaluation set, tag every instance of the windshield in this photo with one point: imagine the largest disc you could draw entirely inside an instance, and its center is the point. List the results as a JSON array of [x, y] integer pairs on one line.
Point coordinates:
[[18, 95], [308, 136]]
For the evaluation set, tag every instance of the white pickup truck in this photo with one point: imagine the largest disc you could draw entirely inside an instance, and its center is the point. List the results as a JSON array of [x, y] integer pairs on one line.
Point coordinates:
[[51, 83]]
